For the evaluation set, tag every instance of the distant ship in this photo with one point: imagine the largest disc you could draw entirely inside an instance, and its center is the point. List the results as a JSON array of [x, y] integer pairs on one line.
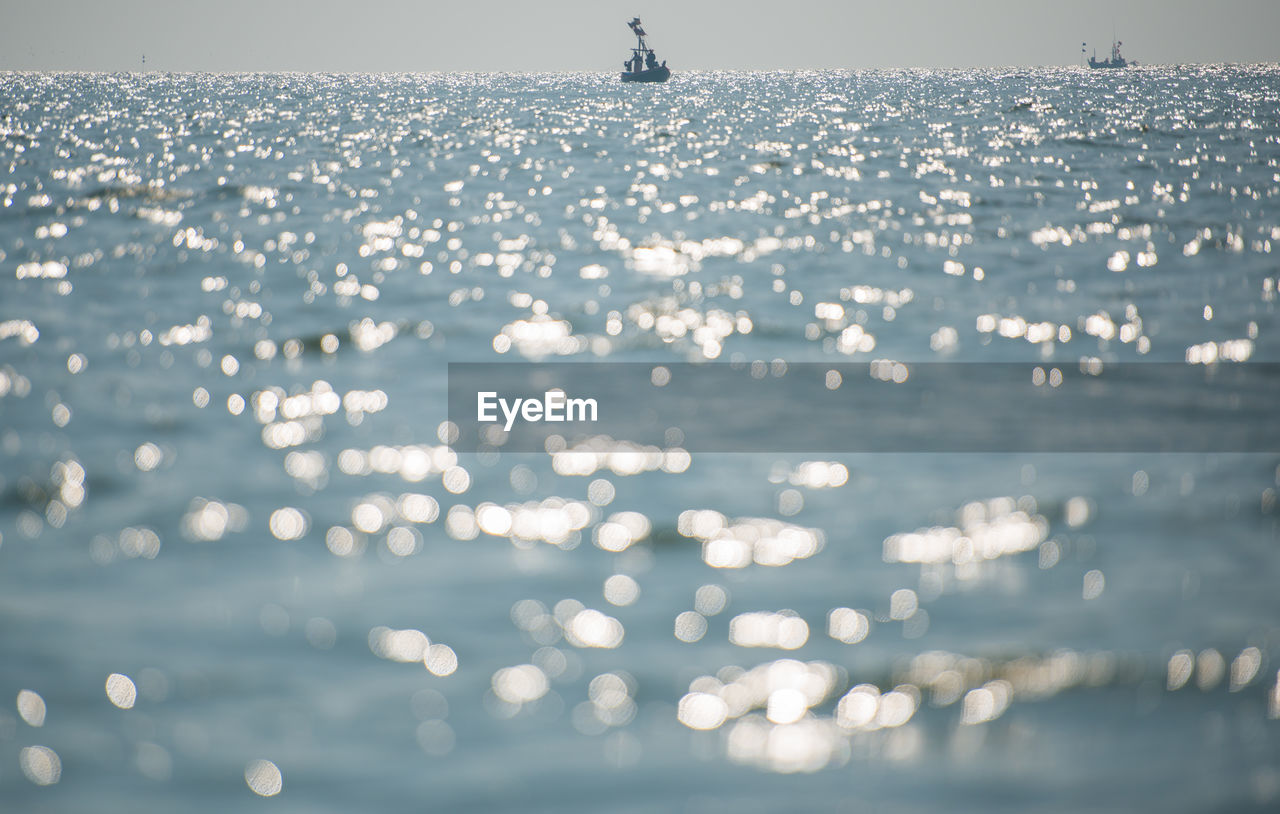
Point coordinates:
[[1116, 60], [643, 65]]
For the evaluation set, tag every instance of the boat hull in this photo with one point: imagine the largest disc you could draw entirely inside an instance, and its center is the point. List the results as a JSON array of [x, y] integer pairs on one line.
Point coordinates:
[[1107, 63], [659, 74]]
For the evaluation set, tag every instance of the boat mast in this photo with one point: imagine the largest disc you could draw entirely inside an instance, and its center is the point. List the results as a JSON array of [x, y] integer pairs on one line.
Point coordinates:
[[636, 28]]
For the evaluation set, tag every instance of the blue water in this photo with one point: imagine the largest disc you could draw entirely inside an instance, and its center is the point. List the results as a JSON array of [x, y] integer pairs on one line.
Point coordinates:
[[226, 307]]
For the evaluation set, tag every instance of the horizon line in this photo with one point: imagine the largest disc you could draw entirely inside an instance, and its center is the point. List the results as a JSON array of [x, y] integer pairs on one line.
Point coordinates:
[[591, 72]]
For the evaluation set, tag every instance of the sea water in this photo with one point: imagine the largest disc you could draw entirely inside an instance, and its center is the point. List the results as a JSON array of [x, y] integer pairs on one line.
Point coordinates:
[[239, 557]]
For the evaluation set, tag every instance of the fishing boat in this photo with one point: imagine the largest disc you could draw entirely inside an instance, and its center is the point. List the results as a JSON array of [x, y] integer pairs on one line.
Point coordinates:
[[1116, 60], [643, 65]]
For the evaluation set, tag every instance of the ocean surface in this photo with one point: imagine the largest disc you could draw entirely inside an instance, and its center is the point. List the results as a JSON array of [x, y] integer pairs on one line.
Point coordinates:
[[241, 569]]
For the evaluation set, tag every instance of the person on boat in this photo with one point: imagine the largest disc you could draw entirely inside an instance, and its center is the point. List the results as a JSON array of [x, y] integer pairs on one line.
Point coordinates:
[[651, 62]]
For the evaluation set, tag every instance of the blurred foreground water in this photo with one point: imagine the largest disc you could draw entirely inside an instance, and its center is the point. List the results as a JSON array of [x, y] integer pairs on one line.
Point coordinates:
[[237, 556]]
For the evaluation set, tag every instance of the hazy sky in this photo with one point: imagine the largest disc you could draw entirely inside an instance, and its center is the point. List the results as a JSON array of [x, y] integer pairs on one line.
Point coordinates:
[[590, 35]]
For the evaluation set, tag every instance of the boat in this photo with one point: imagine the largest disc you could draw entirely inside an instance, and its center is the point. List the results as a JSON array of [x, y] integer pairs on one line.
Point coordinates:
[[1116, 60], [643, 65]]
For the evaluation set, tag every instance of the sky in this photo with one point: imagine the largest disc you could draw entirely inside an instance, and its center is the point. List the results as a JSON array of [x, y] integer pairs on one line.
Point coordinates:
[[591, 35]]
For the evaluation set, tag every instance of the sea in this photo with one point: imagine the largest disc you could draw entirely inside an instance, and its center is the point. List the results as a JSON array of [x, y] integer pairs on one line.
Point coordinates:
[[243, 568]]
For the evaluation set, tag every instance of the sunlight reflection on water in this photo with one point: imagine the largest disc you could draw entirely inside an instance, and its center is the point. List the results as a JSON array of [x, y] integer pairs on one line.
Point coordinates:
[[226, 306]]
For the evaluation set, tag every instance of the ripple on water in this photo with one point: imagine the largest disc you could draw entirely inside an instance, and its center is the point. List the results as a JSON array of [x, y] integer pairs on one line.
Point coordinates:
[[227, 303]]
